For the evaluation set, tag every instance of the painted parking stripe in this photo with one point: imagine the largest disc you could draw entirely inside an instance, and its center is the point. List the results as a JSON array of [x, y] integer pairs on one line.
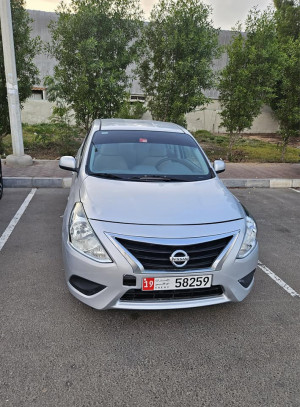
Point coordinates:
[[296, 190], [278, 280], [8, 231]]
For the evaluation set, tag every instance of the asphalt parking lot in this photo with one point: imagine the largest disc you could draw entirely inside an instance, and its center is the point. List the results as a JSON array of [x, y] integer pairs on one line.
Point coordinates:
[[55, 351]]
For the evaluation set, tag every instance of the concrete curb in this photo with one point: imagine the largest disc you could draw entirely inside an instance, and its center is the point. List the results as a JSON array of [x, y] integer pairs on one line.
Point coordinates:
[[35, 182], [262, 183]]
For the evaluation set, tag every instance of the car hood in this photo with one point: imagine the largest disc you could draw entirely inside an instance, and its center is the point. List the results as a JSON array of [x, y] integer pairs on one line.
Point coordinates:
[[159, 203]]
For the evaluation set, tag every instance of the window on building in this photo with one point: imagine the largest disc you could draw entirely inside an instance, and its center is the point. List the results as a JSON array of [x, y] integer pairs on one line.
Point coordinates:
[[137, 98], [37, 94]]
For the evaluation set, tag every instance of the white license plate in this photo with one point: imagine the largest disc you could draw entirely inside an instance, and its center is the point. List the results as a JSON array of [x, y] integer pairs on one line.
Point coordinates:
[[176, 283]]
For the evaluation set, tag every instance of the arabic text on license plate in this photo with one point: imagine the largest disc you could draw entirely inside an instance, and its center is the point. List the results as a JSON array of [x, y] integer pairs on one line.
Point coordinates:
[[176, 283]]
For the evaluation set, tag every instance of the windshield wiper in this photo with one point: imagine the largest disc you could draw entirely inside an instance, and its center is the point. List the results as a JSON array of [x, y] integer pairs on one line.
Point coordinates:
[[107, 175], [154, 177]]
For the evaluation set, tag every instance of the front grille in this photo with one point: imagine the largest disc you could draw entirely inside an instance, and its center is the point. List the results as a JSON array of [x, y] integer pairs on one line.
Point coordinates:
[[169, 295], [157, 256]]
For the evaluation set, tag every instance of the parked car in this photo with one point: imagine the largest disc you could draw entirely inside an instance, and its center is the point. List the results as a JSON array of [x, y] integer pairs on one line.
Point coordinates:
[[1, 181], [149, 225]]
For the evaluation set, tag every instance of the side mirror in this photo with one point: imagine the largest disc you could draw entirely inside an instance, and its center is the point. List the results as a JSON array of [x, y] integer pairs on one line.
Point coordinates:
[[67, 163], [219, 166]]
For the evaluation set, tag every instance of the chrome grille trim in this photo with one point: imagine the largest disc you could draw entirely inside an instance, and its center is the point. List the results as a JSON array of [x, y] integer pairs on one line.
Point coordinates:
[[180, 243]]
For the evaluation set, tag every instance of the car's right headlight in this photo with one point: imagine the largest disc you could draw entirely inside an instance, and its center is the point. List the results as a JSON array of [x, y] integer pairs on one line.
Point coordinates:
[[83, 238], [249, 240]]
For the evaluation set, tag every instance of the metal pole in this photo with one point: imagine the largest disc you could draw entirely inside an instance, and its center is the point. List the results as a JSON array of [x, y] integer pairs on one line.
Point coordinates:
[[18, 157]]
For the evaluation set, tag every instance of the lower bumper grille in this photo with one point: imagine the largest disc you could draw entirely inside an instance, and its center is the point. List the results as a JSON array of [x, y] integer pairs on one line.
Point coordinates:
[[86, 287], [169, 295]]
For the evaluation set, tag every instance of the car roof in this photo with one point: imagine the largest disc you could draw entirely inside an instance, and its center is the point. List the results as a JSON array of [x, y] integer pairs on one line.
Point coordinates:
[[148, 125]]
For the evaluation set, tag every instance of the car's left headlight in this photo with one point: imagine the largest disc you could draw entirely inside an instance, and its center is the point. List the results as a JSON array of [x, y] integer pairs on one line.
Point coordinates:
[[83, 238], [249, 240]]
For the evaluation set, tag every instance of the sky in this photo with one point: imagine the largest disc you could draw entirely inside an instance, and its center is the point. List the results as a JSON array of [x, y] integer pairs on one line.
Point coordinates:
[[226, 13]]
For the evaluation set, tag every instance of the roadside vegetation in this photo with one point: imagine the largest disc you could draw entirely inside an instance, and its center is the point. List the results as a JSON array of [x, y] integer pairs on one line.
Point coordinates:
[[94, 43], [176, 51], [249, 147], [263, 68], [46, 140]]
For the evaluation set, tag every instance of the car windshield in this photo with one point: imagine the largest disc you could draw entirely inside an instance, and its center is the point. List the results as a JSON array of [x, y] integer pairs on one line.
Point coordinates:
[[146, 156]]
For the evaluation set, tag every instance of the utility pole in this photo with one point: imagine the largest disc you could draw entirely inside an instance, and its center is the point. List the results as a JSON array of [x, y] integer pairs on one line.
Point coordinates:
[[18, 157]]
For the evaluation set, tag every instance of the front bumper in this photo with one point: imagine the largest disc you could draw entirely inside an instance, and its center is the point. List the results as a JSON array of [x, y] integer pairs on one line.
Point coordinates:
[[111, 275]]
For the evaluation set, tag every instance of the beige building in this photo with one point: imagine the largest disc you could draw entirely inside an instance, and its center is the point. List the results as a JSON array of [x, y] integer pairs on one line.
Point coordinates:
[[38, 109]]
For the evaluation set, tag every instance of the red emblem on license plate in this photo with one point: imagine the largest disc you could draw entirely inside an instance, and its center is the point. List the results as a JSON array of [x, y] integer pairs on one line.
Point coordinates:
[[148, 284]]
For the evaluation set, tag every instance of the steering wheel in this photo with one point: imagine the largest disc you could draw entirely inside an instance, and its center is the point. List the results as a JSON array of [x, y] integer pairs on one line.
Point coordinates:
[[177, 160]]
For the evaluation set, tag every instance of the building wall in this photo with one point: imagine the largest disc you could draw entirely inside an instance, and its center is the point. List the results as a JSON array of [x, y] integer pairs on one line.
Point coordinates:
[[40, 27], [210, 119], [39, 111], [36, 111]]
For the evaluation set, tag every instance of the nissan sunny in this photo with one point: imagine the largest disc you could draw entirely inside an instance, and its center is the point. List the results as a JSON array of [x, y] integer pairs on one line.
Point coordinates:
[[149, 225]]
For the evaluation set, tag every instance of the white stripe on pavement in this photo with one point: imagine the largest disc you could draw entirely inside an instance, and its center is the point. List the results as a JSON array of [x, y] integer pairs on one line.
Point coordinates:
[[8, 231], [278, 280], [296, 190]]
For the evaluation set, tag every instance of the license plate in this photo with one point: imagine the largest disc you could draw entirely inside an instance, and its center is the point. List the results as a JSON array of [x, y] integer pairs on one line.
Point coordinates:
[[176, 283]]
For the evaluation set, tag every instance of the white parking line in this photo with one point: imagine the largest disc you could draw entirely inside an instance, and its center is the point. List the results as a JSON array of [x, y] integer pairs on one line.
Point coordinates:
[[296, 190], [278, 280], [8, 231]]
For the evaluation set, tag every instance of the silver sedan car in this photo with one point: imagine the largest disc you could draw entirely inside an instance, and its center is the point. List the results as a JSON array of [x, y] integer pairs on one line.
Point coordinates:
[[149, 225]]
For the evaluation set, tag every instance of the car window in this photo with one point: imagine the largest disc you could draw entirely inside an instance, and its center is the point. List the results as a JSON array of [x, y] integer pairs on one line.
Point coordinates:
[[147, 155], [81, 150]]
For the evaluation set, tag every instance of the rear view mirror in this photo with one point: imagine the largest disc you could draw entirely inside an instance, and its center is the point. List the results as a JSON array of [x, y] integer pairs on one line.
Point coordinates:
[[67, 163], [219, 166]]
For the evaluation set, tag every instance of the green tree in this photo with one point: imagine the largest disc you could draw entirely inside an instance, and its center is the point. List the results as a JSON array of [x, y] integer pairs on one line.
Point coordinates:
[[93, 43], [25, 50], [248, 80], [238, 105], [286, 102], [174, 68], [132, 110], [287, 19]]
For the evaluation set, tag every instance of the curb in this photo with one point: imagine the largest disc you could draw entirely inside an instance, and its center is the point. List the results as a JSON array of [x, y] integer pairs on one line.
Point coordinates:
[[262, 183], [35, 182]]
